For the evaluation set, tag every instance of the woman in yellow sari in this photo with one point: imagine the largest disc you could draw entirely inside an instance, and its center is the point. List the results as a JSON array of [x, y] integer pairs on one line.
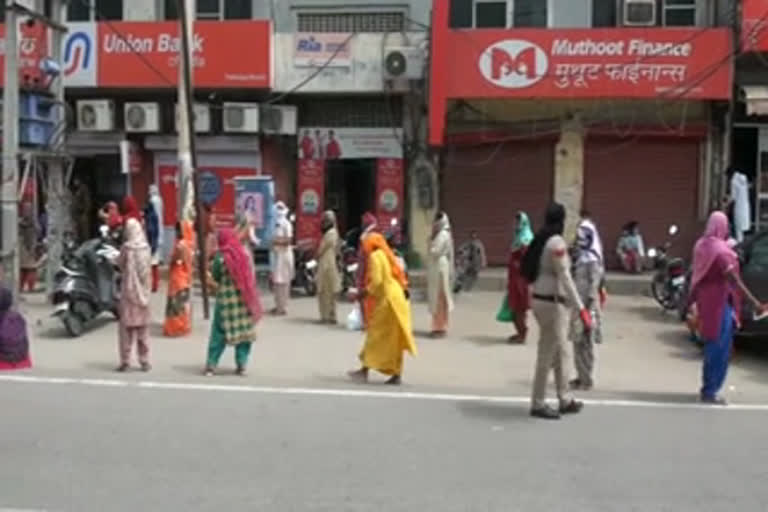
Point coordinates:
[[178, 311], [388, 332]]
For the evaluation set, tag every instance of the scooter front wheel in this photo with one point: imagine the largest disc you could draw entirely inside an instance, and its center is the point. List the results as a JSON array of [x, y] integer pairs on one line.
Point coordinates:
[[73, 324]]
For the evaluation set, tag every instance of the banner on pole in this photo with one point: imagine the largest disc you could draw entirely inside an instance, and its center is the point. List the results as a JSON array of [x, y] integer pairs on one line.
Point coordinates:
[[311, 191]]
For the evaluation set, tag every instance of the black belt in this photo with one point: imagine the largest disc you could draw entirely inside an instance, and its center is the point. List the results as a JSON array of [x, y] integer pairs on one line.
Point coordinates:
[[557, 299]]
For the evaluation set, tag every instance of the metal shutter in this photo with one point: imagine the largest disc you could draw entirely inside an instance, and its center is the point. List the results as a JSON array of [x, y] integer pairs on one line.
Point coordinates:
[[483, 187], [653, 181]]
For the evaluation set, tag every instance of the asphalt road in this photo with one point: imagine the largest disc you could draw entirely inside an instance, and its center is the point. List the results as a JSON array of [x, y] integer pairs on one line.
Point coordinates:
[[100, 448]]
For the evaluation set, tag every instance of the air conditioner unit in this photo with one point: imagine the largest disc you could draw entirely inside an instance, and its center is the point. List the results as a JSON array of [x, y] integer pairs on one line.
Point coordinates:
[[241, 117], [406, 62], [278, 119], [142, 117], [95, 115], [202, 113], [639, 13]]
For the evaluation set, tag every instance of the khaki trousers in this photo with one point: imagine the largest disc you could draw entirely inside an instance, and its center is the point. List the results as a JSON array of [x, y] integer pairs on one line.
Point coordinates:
[[552, 352], [327, 304]]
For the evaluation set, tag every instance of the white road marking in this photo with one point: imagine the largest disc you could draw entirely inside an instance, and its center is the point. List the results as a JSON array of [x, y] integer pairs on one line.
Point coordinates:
[[360, 393]]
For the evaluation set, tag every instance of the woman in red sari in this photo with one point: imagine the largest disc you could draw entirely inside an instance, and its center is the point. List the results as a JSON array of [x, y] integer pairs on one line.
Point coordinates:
[[517, 301]]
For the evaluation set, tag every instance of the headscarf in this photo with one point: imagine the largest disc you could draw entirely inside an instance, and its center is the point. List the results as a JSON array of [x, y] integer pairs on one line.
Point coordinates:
[[328, 221], [554, 224], [131, 208], [114, 219], [442, 223], [589, 243], [137, 258], [238, 264], [14, 344], [376, 241], [370, 223], [281, 212], [712, 245], [523, 232]]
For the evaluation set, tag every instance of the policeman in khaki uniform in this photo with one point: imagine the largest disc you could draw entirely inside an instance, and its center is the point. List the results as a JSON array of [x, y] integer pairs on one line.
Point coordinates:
[[548, 267]]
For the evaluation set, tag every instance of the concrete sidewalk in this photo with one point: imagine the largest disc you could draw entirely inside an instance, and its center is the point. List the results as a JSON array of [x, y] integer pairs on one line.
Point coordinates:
[[645, 355]]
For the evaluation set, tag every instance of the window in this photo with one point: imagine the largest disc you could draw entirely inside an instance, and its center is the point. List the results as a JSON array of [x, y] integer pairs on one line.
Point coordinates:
[[352, 111], [461, 13], [95, 10], [351, 22], [679, 13], [214, 10], [490, 14], [604, 13], [529, 13]]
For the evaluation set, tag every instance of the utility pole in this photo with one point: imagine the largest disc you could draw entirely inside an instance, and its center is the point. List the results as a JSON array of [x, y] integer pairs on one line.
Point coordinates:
[[186, 169], [9, 205], [58, 213], [188, 127]]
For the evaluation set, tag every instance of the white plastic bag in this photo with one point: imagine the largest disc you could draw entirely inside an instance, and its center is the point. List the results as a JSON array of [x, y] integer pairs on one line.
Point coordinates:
[[355, 318]]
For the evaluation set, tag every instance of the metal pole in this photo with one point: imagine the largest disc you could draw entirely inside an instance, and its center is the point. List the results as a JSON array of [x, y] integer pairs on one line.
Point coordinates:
[[10, 170], [186, 34]]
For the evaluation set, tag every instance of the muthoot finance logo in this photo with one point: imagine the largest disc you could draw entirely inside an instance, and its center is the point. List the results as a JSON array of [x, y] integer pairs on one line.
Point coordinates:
[[513, 63]]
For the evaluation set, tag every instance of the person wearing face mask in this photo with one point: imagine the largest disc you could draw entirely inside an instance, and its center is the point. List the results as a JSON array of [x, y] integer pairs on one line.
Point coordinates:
[[156, 206], [547, 267], [587, 275], [282, 259]]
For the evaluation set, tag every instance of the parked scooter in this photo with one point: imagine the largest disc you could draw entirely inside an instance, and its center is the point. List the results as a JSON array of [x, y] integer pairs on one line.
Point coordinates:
[[347, 261], [305, 270], [668, 282], [88, 283], [305, 266]]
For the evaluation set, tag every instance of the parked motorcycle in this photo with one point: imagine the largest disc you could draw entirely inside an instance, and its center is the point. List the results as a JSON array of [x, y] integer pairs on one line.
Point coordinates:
[[668, 282], [347, 261], [305, 270], [467, 270], [87, 284]]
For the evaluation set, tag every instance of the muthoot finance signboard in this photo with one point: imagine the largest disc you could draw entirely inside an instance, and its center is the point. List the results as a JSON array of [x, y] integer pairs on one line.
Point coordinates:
[[620, 63]]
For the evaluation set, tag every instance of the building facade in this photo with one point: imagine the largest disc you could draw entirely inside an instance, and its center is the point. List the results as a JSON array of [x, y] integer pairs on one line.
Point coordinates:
[[750, 113], [297, 90], [612, 106]]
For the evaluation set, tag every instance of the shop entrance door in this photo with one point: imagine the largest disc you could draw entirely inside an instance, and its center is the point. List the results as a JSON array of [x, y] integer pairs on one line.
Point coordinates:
[[761, 187], [350, 190]]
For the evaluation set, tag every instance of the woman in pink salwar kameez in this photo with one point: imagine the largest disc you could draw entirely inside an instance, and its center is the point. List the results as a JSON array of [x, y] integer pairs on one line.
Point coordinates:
[[716, 290], [135, 264]]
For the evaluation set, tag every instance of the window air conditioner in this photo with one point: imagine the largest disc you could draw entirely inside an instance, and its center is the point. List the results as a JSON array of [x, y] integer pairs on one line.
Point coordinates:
[[278, 119], [406, 62], [639, 13], [241, 117], [95, 115], [142, 117], [202, 115]]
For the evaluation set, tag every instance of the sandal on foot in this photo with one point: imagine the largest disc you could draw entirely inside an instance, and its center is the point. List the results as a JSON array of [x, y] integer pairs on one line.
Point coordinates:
[[122, 368], [394, 380], [358, 375]]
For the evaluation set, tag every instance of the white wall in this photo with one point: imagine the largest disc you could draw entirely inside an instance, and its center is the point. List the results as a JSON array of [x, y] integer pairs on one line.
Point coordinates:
[[363, 75], [142, 10]]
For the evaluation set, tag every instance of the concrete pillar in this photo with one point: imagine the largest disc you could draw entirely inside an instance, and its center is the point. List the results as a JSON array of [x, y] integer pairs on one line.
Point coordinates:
[[421, 214], [569, 173]]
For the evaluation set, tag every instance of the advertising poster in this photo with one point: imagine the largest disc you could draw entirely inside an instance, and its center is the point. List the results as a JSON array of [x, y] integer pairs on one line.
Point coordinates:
[[389, 191], [311, 191], [255, 197], [216, 188], [341, 143]]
